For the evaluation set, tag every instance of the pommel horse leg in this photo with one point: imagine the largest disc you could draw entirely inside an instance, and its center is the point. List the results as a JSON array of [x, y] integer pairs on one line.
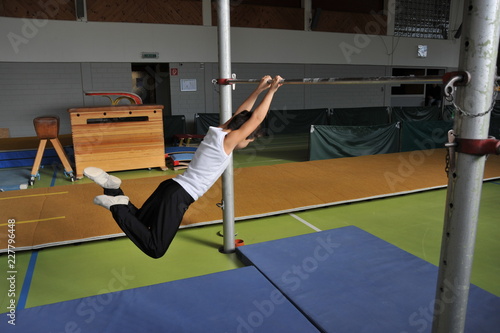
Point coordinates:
[[38, 161], [47, 128], [62, 156]]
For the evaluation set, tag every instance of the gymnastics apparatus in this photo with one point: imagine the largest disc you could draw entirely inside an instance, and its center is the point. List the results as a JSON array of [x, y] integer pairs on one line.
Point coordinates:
[[474, 87]]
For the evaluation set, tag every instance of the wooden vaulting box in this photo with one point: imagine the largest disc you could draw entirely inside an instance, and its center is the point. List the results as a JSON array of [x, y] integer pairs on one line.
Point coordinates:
[[118, 137]]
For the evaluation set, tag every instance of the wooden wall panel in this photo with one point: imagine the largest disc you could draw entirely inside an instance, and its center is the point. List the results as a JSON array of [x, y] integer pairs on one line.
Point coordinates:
[[52, 10], [190, 12], [370, 24], [146, 11], [267, 17], [177, 12]]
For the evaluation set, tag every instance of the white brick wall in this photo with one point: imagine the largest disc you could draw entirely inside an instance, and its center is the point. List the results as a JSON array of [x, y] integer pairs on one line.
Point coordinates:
[[289, 97], [111, 76], [106, 77], [30, 90], [312, 96], [189, 103], [343, 96]]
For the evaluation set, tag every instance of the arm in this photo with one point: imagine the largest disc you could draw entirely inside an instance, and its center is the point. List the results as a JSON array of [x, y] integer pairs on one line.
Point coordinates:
[[258, 116], [250, 101], [261, 110]]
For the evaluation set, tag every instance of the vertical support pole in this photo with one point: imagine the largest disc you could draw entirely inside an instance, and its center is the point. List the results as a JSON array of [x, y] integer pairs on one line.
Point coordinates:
[[224, 38], [206, 8], [307, 6], [390, 11], [478, 56]]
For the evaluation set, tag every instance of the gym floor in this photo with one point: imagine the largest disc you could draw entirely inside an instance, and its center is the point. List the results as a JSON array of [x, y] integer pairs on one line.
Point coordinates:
[[412, 222]]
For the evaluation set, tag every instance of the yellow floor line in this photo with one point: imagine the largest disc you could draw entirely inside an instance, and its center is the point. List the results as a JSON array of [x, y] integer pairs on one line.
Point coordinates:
[[39, 220], [33, 195]]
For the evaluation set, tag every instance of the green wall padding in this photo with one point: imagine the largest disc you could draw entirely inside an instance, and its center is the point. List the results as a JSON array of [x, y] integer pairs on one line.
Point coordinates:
[[420, 135], [367, 116], [410, 113], [294, 121], [347, 141], [173, 125], [495, 127], [496, 110], [277, 121], [204, 120]]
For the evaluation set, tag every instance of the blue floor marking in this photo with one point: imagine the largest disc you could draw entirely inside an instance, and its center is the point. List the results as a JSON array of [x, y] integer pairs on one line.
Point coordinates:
[[54, 176], [23, 296]]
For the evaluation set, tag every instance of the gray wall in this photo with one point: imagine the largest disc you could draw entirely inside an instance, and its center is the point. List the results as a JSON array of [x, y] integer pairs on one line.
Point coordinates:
[[29, 90], [46, 66], [35, 89], [206, 98]]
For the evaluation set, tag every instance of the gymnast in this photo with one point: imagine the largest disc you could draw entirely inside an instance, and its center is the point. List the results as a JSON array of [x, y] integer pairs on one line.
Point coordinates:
[[153, 226]]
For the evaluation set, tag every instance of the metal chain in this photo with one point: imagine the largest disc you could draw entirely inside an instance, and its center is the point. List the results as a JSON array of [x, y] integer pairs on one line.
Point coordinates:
[[450, 98], [447, 166], [214, 83], [450, 153]]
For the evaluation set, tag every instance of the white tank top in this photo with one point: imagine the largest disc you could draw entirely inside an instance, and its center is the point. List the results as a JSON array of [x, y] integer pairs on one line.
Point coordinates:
[[208, 163]]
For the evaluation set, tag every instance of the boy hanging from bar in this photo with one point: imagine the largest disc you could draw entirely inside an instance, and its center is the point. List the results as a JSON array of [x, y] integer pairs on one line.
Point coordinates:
[[153, 226]]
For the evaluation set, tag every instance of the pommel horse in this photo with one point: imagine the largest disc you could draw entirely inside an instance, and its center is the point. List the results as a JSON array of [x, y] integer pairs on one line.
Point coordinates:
[[133, 98]]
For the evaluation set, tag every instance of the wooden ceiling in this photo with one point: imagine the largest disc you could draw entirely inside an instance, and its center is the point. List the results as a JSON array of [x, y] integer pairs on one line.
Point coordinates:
[[354, 6], [351, 16]]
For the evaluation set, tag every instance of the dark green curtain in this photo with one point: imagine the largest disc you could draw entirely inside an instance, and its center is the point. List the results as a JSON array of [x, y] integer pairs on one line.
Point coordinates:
[[294, 121], [367, 116], [496, 110], [173, 125], [448, 113], [495, 121], [420, 135], [344, 141], [495, 127], [410, 113], [204, 120]]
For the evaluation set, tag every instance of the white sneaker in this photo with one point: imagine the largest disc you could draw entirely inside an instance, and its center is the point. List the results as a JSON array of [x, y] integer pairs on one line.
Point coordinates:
[[101, 178], [107, 201]]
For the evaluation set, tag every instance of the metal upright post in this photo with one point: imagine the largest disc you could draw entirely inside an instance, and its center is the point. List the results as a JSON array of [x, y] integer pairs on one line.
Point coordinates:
[[224, 38], [478, 55]]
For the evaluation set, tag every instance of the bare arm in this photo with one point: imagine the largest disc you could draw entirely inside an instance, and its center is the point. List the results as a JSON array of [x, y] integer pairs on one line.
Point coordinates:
[[258, 116], [250, 101]]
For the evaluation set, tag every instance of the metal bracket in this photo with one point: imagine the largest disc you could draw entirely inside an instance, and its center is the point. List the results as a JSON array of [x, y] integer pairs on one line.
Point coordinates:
[[220, 204], [453, 79], [463, 78], [226, 82], [478, 146], [222, 81]]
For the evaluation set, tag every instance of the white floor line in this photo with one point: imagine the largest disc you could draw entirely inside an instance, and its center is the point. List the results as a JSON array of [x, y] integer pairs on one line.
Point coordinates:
[[305, 222]]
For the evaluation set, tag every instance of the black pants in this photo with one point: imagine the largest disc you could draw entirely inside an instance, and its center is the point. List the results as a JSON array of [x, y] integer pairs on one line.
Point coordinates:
[[153, 227]]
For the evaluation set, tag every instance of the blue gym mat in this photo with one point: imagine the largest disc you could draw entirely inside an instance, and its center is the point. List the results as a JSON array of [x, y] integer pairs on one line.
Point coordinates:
[[23, 158], [240, 300], [13, 179], [348, 281]]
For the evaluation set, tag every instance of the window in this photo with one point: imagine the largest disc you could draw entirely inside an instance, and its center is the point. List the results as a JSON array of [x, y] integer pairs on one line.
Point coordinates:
[[422, 18], [408, 89]]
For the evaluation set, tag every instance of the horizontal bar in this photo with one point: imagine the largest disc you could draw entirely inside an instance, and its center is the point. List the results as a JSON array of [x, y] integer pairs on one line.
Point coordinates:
[[367, 80]]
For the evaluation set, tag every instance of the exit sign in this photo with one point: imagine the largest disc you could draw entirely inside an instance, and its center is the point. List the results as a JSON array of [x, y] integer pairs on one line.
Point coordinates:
[[150, 55]]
